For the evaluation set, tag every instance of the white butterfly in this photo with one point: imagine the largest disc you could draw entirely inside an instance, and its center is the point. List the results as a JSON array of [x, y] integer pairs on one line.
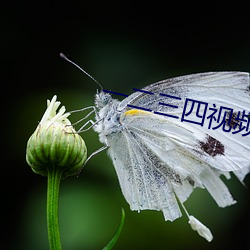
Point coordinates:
[[163, 141], [160, 159]]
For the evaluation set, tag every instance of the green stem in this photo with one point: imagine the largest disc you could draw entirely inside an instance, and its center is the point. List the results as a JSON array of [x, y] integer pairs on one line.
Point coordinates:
[[117, 234], [54, 177]]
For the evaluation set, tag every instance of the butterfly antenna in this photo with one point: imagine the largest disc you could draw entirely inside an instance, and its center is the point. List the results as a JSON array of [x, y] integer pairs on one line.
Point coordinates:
[[90, 76]]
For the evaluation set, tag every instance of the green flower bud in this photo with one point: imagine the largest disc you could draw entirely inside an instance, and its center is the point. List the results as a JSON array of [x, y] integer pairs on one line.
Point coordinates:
[[55, 144]]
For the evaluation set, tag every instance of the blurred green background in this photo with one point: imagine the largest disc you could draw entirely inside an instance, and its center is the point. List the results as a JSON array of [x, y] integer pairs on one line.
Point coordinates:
[[123, 45]]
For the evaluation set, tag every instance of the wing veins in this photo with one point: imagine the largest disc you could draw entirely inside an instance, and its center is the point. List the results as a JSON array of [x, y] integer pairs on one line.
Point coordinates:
[[132, 153]]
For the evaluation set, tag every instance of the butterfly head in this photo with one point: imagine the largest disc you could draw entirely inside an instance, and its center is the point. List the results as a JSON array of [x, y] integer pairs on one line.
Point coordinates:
[[102, 99]]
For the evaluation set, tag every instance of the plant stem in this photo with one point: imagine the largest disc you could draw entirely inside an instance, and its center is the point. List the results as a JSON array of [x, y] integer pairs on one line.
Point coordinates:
[[117, 234], [54, 177]]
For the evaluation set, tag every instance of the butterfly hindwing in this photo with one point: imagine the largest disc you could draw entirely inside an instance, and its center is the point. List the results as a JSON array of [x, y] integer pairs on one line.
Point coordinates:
[[142, 184]]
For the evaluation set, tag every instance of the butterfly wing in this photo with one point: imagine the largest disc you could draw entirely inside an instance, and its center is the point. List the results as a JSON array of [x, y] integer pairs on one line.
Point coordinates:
[[228, 91], [221, 88], [142, 186]]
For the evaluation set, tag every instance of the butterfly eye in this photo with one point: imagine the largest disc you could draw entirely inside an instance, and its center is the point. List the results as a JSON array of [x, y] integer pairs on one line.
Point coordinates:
[[102, 99], [106, 99]]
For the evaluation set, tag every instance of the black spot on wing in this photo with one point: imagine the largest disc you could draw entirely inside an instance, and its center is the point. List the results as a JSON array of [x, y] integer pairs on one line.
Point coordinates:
[[247, 89], [212, 146], [232, 121], [191, 181]]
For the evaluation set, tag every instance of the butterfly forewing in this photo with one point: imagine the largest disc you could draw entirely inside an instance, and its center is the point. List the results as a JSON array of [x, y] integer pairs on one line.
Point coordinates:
[[226, 91]]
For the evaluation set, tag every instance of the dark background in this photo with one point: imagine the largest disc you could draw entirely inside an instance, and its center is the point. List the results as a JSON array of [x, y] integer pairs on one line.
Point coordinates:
[[123, 44]]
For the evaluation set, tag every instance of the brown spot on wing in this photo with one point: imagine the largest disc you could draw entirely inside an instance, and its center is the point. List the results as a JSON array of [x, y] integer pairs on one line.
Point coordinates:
[[212, 146]]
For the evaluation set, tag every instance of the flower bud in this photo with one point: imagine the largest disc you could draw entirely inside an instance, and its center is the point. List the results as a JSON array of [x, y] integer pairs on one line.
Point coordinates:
[[55, 144]]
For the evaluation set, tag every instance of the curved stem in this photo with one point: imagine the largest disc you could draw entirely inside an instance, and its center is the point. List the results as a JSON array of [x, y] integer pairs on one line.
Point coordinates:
[[117, 234], [53, 185]]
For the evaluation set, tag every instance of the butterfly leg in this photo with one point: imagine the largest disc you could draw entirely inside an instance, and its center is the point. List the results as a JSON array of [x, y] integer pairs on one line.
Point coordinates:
[[83, 127], [96, 152], [91, 155], [86, 116]]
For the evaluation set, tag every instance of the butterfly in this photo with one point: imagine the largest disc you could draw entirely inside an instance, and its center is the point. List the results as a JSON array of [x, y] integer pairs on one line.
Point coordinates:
[[175, 135], [159, 159]]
